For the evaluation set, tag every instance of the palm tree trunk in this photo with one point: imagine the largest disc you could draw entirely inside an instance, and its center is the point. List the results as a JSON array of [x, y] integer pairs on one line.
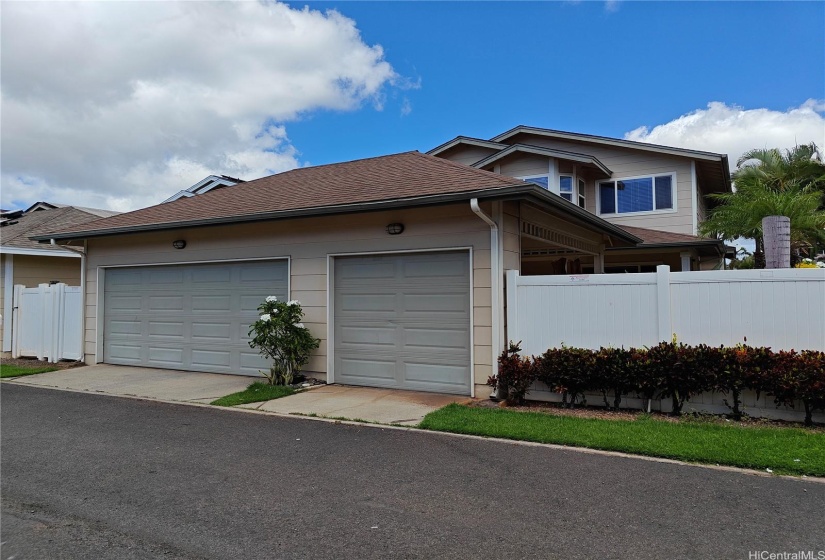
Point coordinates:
[[759, 253]]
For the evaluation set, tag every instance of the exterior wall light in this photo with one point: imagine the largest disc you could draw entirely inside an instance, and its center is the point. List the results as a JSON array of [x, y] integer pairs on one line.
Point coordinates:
[[179, 244], [395, 228]]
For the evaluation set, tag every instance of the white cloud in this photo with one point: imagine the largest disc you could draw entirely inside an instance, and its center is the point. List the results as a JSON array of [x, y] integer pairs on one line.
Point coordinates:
[[734, 130], [120, 105]]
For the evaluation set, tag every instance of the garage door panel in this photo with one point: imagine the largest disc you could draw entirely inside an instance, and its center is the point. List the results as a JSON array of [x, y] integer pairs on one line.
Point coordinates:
[[125, 303], [251, 362], [403, 321], [443, 269], [165, 276], [126, 328], [166, 328], [195, 317], [363, 269], [165, 355], [360, 302], [125, 352], [211, 331], [368, 370], [369, 335], [211, 303], [435, 303], [434, 374], [211, 358], [161, 304], [432, 339]]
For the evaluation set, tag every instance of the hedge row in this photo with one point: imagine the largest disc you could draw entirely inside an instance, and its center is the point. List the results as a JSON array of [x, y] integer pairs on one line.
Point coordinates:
[[669, 370]]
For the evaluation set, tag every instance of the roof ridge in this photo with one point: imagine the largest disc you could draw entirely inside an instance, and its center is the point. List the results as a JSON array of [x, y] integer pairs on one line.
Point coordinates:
[[335, 163]]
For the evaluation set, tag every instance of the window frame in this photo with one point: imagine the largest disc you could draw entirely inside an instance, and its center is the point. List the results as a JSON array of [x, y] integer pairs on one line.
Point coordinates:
[[652, 177]]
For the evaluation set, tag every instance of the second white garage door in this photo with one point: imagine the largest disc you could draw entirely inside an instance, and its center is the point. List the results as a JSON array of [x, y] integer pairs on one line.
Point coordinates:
[[190, 317], [403, 321]]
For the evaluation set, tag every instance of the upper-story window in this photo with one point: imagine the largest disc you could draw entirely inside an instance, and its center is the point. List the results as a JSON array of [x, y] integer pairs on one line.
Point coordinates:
[[569, 188], [637, 194], [541, 180]]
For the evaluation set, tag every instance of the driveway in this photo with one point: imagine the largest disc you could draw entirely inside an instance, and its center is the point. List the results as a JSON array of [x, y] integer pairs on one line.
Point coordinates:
[[385, 406], [124, 381], [85, 476]]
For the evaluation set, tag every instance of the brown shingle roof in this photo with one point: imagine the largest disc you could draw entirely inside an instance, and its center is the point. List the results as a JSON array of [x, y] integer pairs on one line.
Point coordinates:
[[16, 232], [656, 237], [385, 178]]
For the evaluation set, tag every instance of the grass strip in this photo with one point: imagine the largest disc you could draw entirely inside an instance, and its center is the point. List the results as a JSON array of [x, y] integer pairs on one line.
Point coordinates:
[[20, 371], [783, 450], [257, 392]]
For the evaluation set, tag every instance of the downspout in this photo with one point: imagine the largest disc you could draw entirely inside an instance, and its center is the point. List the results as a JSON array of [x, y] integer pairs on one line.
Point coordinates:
[[495, 283], [82, 253]]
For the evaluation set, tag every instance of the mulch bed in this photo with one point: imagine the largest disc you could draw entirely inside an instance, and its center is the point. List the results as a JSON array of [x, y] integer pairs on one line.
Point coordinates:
[[34, 362]]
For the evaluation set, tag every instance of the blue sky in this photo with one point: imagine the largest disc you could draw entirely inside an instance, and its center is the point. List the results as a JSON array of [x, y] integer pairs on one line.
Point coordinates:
[[487, 66], [121, 104]]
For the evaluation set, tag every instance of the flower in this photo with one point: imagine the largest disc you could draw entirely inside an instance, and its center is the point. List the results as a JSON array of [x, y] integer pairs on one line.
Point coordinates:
[[299, 325], [270, 299], [266, 317], [293, 302]]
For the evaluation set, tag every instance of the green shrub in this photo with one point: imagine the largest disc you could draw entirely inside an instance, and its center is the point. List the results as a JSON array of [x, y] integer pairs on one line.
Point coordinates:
[[798, 377], [515, 375], [280, 336], [569, 371], [668, 370], [740, 368]]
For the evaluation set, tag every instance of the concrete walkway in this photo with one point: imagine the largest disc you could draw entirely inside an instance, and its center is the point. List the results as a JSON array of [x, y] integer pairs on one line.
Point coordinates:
[[385, 406]]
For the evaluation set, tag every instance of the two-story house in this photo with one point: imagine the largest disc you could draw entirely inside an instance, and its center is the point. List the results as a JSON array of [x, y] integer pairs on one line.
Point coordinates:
[[657, 193]]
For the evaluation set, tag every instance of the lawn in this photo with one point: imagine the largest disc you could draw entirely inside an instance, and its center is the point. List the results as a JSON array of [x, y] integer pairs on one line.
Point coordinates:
[[257, 392], [19, 371], [783, 450]]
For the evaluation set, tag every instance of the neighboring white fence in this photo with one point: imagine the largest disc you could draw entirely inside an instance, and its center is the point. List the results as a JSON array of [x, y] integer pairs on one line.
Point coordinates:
[[47, 322], [782, 309]]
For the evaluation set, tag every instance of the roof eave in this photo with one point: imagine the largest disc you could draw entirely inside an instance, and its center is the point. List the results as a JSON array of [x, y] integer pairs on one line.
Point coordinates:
[[538, 150], [515, 190], [464, 140], [685, 152], [286, 214]]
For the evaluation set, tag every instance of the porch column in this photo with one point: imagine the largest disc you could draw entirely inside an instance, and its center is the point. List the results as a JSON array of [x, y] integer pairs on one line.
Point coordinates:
[[598, 261], [685, 255]]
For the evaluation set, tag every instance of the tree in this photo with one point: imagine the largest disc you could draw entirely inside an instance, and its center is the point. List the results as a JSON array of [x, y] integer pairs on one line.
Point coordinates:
[[770, 183]]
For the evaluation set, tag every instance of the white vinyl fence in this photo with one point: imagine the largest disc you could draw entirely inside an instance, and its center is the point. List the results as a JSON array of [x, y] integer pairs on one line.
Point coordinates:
[[782, 309], [47, 322]]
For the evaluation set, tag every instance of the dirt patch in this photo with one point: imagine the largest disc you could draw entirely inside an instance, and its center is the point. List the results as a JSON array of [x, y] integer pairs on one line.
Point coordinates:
[[600, 413], [35, 363]]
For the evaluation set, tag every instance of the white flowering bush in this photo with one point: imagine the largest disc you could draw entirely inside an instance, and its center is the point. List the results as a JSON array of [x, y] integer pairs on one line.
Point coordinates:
[[280, 336]]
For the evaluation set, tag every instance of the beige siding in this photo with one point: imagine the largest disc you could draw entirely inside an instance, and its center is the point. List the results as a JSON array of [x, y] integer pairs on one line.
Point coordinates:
[[632, 163], [308, 242], [4, 312], [523, 165], [467, 154], [31, 271]]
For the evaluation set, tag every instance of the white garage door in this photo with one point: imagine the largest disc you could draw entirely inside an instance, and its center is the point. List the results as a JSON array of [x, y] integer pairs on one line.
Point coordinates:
[[189, 317], [403, 321]]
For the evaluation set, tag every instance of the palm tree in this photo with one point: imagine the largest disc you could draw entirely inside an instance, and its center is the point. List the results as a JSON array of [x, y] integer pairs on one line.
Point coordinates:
[[770, 183]]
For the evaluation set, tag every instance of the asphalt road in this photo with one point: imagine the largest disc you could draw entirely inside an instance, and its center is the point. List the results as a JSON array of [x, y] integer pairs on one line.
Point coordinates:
[[87, 476]]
